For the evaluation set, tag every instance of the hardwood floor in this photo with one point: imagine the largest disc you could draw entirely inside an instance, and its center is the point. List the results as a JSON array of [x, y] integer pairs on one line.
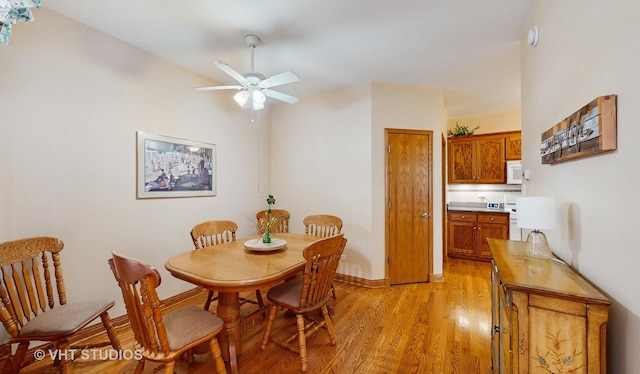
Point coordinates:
[[416, 328]]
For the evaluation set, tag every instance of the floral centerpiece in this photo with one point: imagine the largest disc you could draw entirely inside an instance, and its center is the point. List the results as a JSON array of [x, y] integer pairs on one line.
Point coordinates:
[[268, 223]]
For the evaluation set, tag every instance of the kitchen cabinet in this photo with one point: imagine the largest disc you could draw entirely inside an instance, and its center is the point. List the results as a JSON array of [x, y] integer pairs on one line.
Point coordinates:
[[468, 233], [546, 318], [477, 159], [482, 158], [513, 146]]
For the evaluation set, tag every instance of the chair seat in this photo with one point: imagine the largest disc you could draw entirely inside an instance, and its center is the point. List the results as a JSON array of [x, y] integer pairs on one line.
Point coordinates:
[[63, 320], [287, 293], [181, 329]]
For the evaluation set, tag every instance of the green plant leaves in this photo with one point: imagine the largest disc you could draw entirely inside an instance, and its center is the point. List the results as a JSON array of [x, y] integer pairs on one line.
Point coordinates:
[[462, 130]]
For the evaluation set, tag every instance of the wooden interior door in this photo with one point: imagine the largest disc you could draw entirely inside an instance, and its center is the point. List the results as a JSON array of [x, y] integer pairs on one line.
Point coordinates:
[[409, 225]]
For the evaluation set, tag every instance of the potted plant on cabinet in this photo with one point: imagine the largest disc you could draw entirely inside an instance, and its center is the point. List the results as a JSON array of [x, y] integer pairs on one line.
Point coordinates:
[[461, 131]]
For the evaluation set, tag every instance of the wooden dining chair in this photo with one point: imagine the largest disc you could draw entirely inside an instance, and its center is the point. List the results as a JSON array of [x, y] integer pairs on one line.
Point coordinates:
[[307, 294], [162, 337], [280, 219], [323, 225], [30, 309], [211, 233]]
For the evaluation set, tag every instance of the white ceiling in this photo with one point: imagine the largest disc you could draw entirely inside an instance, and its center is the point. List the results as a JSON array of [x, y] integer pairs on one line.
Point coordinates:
[[470, 48]]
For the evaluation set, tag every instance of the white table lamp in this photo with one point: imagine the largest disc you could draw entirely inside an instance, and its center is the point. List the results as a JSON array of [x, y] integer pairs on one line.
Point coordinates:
[[536, 213]]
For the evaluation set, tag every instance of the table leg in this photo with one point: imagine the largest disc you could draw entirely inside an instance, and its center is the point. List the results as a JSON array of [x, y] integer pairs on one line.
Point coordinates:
[[229, 311]]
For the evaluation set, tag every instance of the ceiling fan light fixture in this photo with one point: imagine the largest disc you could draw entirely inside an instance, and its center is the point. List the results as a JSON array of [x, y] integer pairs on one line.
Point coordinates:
[[258, 97], [255, 87], [241, 98]]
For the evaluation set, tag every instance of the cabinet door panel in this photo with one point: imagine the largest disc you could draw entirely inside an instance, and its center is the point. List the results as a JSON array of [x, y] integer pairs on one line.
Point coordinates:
[[461, 162], [461, 238], [514, 147], [491, 163], [489, 230], [557, 342]]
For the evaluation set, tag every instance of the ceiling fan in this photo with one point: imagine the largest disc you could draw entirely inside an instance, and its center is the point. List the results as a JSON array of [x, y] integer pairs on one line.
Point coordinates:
[[254, 87]]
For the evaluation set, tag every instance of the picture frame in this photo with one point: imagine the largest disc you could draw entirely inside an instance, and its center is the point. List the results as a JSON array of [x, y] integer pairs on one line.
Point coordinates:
[[170, 167], [589, 131]]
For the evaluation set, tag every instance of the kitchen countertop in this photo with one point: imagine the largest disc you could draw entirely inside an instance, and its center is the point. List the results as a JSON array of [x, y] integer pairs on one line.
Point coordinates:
[[474, 207]]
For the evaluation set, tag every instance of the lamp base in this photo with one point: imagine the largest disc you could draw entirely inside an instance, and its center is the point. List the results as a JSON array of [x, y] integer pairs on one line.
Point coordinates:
[[537, 246]]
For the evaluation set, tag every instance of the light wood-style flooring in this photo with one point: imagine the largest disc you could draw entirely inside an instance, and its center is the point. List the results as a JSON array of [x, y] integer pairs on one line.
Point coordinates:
[[442, 327]]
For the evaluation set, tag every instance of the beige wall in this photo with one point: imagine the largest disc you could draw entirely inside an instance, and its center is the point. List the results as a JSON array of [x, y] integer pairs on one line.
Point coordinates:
[[334, 162], [321, 155], [72, 100], [495, 122], [407, 107], [588, 49]]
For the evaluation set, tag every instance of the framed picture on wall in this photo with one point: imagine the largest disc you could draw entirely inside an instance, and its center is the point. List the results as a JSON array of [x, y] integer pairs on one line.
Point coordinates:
[[172, 167]]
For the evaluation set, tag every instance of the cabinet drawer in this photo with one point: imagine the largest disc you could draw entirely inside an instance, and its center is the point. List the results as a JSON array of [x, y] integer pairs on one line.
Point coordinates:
[[462, 216], [493, 218]]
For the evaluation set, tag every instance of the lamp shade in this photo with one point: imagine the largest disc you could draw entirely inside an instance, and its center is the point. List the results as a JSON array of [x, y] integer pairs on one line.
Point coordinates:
[[241, 98], [536, 212], [258, 97]]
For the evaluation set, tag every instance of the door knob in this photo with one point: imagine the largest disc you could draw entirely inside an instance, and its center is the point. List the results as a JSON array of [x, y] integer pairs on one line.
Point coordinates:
[[425, 215]]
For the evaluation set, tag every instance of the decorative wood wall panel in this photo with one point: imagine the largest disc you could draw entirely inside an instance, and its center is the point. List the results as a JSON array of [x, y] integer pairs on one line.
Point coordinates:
[[590, 130]]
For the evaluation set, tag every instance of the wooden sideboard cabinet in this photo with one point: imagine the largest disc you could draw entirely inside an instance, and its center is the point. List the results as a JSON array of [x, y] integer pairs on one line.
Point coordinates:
[[546, 317], [468, 233]]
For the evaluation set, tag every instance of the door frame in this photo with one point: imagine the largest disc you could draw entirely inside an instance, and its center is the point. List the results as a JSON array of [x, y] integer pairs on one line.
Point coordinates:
[[445, 217], [430, 134]]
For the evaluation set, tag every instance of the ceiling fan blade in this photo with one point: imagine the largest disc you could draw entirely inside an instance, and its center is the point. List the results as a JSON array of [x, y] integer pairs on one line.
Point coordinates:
[[214, 88], [280, 96], [229, 70], [280, 79]]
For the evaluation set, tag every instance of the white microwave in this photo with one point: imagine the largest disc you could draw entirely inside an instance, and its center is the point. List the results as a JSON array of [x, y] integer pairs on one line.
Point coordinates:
[[514, 172]]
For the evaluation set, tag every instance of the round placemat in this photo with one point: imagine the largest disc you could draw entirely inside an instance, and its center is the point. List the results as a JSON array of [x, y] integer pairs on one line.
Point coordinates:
[[258, 245]]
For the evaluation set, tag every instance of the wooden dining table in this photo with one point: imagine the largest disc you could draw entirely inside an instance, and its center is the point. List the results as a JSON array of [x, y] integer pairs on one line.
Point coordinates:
[[231, 268]]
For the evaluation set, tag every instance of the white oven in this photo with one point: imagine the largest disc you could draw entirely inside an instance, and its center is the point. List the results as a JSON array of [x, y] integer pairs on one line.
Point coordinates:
[[514, 172], [515, 233]]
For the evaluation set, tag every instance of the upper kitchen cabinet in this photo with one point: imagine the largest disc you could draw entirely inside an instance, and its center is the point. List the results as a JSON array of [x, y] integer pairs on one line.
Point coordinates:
[[477, 159], [513, 147]]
